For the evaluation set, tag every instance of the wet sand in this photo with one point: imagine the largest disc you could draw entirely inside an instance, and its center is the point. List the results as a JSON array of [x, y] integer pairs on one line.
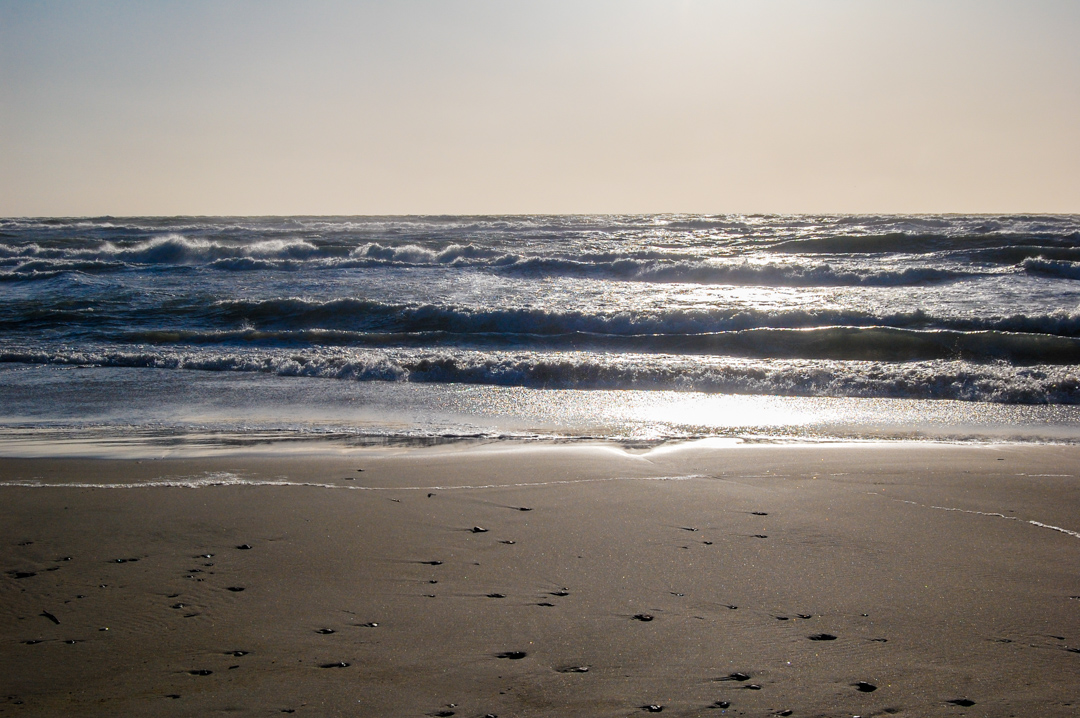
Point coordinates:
[[902, 579]]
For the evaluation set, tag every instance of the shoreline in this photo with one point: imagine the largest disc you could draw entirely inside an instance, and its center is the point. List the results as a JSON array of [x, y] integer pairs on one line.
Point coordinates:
[[944, 572]]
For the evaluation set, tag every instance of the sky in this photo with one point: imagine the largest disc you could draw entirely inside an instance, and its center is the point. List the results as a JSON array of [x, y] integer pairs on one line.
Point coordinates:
[[228, 107]]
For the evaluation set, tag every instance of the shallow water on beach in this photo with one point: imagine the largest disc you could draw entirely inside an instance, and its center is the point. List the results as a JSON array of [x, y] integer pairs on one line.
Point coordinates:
[[645, 328], [53, 410]]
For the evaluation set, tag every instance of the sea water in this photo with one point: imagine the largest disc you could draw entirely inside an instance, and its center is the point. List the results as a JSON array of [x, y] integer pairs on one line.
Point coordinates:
[[174, 333]]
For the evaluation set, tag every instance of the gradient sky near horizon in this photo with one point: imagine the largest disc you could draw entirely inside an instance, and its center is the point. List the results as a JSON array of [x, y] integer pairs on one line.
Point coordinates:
[[489, 106]]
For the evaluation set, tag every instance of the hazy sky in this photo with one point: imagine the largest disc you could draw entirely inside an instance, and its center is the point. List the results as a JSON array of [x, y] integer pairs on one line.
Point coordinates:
[[501, 106]]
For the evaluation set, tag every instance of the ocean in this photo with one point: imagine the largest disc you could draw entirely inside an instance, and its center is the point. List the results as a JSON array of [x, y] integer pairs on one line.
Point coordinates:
[[187, 334]]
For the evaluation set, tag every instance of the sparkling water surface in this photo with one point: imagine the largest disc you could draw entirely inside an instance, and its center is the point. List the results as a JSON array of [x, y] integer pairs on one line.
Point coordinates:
[[635, 328]]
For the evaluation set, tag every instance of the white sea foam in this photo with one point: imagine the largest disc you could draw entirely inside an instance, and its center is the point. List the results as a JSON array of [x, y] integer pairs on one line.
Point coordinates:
[[212, 479], [992, 514]]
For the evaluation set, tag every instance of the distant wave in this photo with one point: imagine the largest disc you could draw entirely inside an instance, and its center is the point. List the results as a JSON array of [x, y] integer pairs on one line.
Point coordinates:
[[840, 343], [31, 261], [996, 382], [1062, 270], [905, 243], [367, 315]]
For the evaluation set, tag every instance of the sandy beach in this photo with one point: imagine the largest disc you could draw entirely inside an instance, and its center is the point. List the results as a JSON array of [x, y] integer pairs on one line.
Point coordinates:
[[516, 580]]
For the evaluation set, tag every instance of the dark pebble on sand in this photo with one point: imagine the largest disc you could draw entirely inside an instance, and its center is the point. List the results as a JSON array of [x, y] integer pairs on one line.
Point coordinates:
[[707, 543], [432, 563], [1073, 650], [174, 696], [688, 528], [822, 637], [784, 712], [205, 555], [781, 618], [32, 642], [524, 508], [545, 604], [22, 574], [339, 664], [759, 513], [234, 589], [441, 714], [26, 543], [722, 704], [760, 536], [369, 625], [731, 607], [244, 547], [72, 641], [496, 595], [512, 655], [177, 605], [880, 640], [510, 543], [734, 677], [560, 592], [965, 702], [326, 631], [642, 617], [573, 669], [751, 687], [237, 654], [478, 530], [433, 581], [202, 672], [652, 708], [864, 687]]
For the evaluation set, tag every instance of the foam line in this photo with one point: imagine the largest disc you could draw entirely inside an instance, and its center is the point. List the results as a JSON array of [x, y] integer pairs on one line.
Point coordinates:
[[228, 479], [995, 514]]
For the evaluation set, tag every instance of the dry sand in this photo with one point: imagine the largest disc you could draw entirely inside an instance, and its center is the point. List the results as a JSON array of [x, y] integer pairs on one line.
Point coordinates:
[[922, 565]]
